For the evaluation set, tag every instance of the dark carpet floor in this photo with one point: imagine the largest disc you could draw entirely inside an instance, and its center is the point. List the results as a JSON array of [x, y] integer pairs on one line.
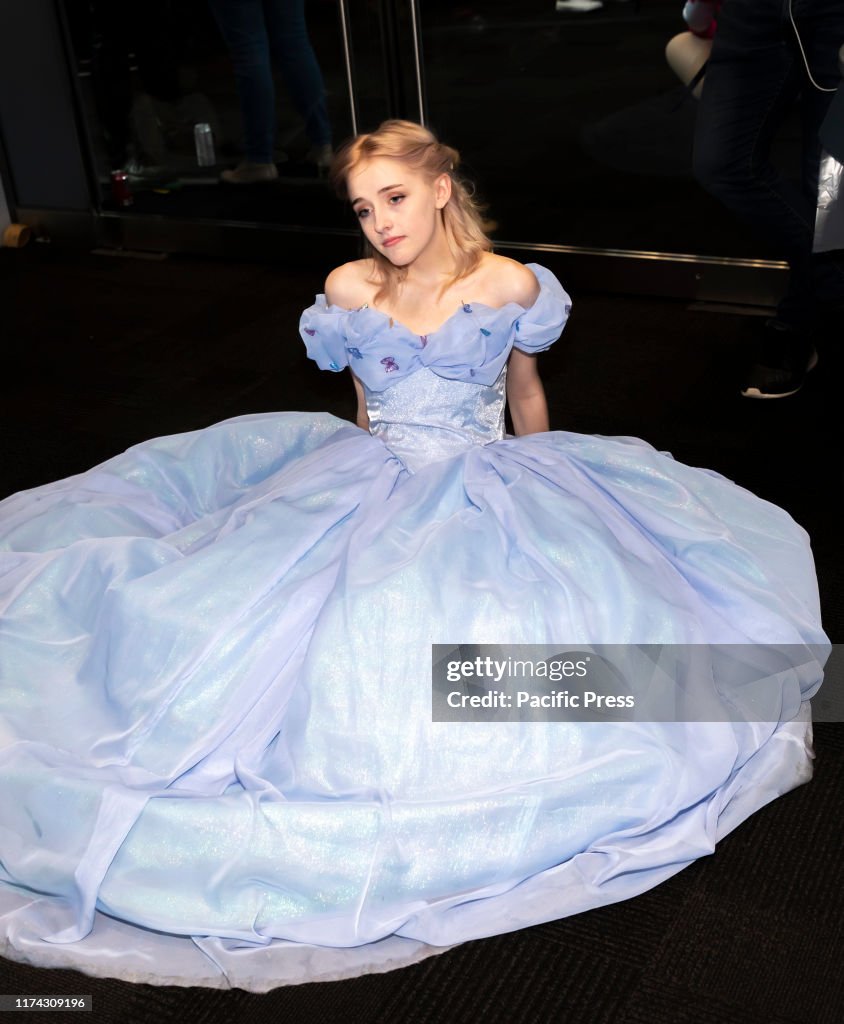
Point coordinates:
[[100, 352]]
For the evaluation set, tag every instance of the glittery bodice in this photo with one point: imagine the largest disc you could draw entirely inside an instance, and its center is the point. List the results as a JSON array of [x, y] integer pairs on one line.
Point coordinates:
[[425, 418], [435, 395]]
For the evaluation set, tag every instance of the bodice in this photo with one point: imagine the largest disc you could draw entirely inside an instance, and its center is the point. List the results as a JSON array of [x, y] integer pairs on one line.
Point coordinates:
[[433, 396], [424, 418]]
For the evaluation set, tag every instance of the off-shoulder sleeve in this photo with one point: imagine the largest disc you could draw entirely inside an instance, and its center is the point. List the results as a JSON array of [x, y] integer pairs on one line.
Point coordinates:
[[323, 330], [540, 326]]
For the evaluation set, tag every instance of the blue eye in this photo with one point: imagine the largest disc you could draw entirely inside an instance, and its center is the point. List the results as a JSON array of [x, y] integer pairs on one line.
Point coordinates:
[[397, 198], [362, 213]]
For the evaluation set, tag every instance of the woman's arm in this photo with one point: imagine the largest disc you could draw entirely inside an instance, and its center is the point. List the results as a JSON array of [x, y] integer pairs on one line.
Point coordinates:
[[346, 287], [526, 395]]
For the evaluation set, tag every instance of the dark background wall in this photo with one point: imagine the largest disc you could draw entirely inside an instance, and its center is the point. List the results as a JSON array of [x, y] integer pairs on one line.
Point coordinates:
[[44, 162]]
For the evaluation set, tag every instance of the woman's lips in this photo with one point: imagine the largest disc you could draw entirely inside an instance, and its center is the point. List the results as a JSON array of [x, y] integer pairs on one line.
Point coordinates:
[[392, 241]]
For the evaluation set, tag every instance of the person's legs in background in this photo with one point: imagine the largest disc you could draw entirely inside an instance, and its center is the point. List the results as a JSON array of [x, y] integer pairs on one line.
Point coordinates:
[[295, 57], [755, 73], [242, 25]]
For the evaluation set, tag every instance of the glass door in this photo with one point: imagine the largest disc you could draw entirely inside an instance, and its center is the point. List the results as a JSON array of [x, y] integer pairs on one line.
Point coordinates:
[[228, 110], [568, 115], [579, 134]]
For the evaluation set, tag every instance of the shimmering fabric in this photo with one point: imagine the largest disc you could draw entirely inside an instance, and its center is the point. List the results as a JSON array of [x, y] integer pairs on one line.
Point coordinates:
[[217, 759], [425, 418]]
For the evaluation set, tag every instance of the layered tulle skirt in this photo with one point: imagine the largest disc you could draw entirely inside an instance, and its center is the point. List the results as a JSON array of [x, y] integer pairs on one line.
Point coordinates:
[[218, 759]]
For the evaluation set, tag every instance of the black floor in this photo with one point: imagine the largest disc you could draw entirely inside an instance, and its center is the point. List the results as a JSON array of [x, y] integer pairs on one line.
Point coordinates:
[[103, 351]]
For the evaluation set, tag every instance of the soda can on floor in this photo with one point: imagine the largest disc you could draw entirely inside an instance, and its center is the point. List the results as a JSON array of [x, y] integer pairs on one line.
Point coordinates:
[[203, 139], [121, 193]]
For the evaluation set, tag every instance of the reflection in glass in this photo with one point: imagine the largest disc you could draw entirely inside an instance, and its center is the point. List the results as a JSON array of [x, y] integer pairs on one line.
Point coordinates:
[[266, 76], [575, 126], [572, 122], [259, 34]]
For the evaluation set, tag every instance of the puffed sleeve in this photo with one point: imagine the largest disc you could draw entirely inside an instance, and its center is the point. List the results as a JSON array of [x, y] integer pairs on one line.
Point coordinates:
[[540, 326], [323, 330]]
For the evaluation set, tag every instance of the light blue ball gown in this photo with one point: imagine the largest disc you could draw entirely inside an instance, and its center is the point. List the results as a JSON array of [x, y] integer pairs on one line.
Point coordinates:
[[218, 764]]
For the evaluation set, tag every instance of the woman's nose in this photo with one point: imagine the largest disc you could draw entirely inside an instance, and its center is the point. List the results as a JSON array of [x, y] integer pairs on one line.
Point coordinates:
[[383, 221]]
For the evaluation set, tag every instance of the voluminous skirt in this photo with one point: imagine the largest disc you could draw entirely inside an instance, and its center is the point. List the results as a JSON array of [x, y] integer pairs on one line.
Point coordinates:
[[218, 763]]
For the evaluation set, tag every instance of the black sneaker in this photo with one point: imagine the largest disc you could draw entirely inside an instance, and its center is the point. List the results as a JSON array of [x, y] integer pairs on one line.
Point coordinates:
[[785, 356]]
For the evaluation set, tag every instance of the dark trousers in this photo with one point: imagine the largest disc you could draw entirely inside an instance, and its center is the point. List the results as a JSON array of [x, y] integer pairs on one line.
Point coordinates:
[[259, 33], [755, 74]]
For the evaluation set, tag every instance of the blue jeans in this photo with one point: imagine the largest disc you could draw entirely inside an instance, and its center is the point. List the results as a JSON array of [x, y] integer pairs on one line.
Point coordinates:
[[258, 32], [755, 75]]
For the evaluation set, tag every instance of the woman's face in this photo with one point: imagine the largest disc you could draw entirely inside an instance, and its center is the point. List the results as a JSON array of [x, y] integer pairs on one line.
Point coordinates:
[[398, 207]]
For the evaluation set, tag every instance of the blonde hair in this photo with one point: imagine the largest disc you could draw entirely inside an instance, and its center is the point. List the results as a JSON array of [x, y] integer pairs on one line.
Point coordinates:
[[419, 148]]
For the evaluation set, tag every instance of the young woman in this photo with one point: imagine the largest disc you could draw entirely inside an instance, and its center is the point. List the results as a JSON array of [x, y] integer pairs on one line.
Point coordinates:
[[428, 250], [223, 760]]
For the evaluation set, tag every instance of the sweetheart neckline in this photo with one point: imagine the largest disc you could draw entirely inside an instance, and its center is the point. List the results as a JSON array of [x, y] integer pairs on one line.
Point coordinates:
[[437, 330]]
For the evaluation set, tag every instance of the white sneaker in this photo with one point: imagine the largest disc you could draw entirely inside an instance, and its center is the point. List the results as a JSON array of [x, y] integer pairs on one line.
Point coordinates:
[[578, 5], [250, 174]]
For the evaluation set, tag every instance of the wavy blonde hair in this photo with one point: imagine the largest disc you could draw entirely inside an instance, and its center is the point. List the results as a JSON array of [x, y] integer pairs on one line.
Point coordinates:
[[420, 149]]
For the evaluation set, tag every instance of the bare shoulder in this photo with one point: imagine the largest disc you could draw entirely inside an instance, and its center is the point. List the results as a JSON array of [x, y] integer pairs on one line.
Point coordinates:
[[510, 281], [351, 285]]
